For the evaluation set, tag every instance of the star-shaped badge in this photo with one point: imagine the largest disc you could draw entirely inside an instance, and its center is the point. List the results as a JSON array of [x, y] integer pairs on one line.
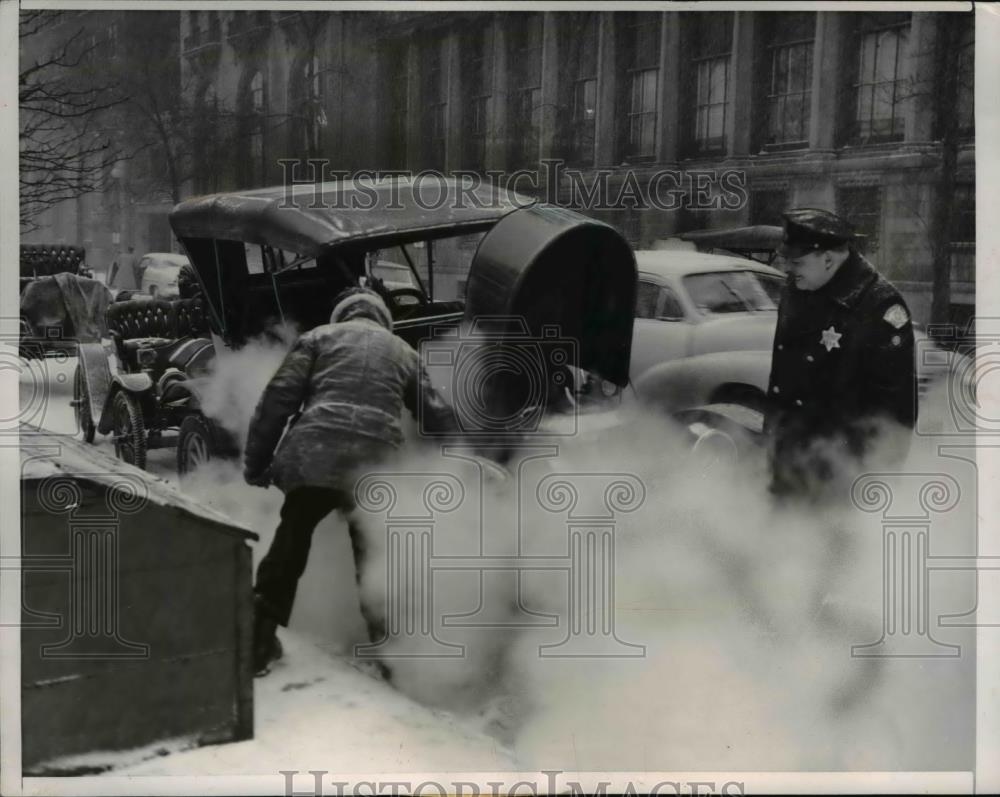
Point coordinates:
[[831, 338]]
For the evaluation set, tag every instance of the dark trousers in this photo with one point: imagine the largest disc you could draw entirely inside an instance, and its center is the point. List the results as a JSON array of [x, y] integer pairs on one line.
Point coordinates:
[[281, 568]]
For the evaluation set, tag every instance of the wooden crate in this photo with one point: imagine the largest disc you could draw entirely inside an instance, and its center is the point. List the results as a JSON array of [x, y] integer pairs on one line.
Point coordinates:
[[137, 610]]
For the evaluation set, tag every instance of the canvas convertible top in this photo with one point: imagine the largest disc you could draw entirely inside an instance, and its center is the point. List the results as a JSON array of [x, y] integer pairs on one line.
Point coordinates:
[[308, 218]]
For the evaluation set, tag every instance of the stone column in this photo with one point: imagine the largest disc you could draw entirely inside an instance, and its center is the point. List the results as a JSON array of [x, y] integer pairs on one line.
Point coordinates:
[[550, 86], [738, 123], [668, 101], [334, 145], [414, 140], [451, 60], [607, 79], [827, 69], [919, 79], [497, 135]]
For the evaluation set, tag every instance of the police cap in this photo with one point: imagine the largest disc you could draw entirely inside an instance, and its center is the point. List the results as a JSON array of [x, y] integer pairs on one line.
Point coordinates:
[[810, 229]]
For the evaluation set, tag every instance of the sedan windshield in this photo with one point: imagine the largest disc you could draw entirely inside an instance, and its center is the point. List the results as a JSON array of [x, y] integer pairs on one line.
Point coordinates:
[[731, 291]]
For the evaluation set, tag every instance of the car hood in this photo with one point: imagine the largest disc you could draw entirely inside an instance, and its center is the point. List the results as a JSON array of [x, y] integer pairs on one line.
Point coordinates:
[[735, 332]]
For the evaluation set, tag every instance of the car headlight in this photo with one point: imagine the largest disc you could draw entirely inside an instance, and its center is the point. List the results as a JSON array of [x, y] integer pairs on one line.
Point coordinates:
[[609, 389], [145, 357]]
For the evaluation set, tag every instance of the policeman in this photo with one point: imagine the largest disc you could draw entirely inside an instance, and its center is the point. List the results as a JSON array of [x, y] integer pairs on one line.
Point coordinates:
[[842, 383]]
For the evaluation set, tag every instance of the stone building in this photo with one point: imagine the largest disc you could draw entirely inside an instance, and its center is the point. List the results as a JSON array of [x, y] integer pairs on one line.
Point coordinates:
[[830, 109]]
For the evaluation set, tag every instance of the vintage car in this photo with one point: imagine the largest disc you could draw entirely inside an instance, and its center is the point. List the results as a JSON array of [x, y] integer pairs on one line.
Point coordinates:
[[46, 260], [279, 256], [544, 287], [158, 345], [60, 302]]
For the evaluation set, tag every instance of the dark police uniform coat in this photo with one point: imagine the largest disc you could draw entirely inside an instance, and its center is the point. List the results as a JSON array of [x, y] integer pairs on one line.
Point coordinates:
[[843, 361]]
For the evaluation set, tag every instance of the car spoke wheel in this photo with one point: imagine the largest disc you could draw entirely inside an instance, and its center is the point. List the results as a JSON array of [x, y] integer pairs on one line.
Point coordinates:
[[81, 407], [196, 451], [129, 430], [197, 443]]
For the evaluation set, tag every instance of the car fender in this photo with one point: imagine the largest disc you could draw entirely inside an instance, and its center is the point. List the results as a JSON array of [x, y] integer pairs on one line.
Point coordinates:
[[227, 439], [195, 386], [95, 366], [694, 381], [133, 383]]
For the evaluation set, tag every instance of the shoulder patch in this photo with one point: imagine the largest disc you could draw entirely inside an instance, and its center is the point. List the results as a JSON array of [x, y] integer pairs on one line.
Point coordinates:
[[897, 316]]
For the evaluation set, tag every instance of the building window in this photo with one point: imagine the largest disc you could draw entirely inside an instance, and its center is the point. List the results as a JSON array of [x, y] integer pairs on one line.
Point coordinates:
[[862, 206], [525, 95], [256, 110], [578, 43], [433, 97], [879, 90], [963, 234], [710, 37], [639, 53], [767, 206], [477, 81], [788, 60]]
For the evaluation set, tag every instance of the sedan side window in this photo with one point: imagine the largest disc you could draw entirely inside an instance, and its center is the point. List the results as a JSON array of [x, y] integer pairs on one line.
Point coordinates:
[[669, 306], [646, 300]]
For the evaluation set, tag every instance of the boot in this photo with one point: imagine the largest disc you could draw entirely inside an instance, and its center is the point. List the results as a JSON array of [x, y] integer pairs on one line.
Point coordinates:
[[266, 647]]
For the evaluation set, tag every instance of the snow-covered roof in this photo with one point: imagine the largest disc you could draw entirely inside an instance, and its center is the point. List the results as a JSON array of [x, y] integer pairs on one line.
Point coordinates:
[[45, 454]]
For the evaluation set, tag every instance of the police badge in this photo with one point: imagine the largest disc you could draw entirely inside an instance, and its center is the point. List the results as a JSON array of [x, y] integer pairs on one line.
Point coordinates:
[[897, 316]]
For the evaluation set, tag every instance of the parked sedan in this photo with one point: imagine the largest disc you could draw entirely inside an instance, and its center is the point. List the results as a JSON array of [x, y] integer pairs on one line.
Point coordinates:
[[691, 304], [159, 274], [704, 331]]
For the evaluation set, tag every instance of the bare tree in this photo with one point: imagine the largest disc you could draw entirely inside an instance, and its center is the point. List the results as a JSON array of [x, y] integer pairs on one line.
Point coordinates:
[[954, 75], [65, 148]]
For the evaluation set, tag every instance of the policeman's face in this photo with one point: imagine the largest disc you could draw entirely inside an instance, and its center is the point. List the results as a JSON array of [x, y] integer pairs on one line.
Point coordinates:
[[812, 270]]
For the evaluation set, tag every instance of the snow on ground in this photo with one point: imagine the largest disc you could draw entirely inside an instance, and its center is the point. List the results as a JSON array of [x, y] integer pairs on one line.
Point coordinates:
[[315, 711]]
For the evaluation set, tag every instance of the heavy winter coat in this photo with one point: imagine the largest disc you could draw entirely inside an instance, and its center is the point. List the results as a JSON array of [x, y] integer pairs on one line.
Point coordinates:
[[842, 365], [351, 380]]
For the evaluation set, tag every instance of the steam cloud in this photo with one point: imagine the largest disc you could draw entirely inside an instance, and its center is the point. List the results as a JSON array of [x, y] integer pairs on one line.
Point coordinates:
[[747, 611]]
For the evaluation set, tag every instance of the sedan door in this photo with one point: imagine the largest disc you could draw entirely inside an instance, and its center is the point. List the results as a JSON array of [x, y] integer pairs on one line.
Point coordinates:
[[661, 332]]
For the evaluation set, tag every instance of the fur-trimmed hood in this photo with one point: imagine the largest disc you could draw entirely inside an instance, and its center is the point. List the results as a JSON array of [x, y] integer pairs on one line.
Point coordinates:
[[362, 304]]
